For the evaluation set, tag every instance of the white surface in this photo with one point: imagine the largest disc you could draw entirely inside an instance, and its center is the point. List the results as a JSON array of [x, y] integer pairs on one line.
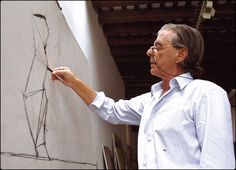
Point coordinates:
[[68, 123]]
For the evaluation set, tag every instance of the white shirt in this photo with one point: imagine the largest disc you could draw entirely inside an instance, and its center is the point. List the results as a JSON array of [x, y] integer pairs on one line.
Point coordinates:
[[187, 127]]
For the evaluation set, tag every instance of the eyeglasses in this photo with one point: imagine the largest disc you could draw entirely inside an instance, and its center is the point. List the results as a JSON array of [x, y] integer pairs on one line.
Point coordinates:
[[159, 47], [151, 51]]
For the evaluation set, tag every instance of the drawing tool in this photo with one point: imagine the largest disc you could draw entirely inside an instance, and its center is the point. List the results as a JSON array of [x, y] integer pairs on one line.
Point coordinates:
[[49, 69], [55, 74]]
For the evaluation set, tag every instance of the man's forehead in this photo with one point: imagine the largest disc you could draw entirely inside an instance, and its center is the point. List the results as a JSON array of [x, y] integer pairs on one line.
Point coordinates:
[[165, 36]]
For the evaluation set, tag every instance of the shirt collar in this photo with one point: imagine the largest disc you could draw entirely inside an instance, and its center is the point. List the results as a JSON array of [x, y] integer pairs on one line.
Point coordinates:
[[181, 81]]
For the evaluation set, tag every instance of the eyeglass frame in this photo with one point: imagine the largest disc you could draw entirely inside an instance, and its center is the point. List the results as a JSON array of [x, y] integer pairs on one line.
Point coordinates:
[[161, 47]]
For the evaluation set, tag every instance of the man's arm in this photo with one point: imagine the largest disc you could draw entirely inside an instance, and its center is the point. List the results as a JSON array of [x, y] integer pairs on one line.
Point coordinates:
[[122, 112], [69, 79], [214, 131]]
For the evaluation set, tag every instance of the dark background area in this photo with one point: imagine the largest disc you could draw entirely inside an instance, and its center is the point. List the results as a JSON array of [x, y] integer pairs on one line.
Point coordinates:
[[130, 28]]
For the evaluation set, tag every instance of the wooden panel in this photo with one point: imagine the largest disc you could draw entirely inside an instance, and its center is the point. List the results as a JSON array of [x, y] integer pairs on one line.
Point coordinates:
[[129, 51], [224, 10], [153, 27], [150, 15], [99, 4], [133, 40], [141, 50], [132, 28]]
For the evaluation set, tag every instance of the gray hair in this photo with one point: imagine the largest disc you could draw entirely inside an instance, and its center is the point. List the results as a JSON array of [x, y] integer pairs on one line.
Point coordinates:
[[190, 38]]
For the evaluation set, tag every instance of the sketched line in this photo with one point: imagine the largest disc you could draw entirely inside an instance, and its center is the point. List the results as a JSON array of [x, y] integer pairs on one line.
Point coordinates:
[[43, 158], [35, 27], [44, 101], [42, 115], [33, 93], [31, 67], [44, 18], [28, 121]]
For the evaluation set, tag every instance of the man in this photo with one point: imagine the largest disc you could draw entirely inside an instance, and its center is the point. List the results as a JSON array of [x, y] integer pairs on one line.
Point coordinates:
[[184, 122]]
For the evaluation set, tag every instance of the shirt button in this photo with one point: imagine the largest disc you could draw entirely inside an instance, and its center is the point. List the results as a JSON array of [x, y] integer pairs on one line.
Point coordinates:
[[149, 137], [144, 164]]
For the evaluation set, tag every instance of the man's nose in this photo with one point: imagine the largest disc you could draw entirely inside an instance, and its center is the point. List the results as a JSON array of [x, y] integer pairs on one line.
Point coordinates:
[[150, 52]]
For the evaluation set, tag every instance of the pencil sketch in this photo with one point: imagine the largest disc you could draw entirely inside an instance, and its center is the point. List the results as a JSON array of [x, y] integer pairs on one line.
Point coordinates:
[[35, 95]]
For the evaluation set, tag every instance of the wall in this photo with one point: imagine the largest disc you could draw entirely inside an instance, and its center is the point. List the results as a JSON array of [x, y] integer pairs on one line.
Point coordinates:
[[82, 19], [43, 123]]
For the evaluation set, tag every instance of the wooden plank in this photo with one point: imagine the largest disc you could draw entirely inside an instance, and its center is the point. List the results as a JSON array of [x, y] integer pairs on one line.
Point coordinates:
[[140, 50], [142, 40], [107, 156], [133, 40], [132, 28], [111, 3], [153, 27], [131, 50], [150, 15]]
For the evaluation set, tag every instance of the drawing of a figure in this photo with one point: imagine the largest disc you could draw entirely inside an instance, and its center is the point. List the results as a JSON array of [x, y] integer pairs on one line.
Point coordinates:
[[34, 94], [40, 147]]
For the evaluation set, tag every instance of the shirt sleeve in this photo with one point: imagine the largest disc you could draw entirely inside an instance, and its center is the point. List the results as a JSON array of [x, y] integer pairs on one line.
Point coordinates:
[[121, 112], [214, 130]]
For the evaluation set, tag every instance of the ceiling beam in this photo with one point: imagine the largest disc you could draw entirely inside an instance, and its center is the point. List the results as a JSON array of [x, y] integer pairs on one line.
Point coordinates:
[[151, 15], [153, 27], [149, 39], [100, 4], [127, 40], [132, 28], [140, 50]]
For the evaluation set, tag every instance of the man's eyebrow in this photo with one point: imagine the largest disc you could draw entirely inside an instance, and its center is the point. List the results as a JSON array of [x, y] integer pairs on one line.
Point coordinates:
[[157, 43]]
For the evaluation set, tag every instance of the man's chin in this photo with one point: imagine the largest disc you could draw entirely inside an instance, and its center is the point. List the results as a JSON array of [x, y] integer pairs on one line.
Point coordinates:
[[153, 73]]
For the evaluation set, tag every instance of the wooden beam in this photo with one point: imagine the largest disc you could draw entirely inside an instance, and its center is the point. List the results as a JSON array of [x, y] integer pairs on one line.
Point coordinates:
[[142, 40], [210, 38], [132, 28], [111, 3], [150, 15], [121, 51], [151, 28], [224, 10], [140, 50], [133, 40]]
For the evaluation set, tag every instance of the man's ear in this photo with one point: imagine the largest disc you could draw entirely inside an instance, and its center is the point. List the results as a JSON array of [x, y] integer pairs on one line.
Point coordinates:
[[181, 55]]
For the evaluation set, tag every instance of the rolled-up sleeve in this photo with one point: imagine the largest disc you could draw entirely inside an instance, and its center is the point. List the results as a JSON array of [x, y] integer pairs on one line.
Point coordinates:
[[121, 112]]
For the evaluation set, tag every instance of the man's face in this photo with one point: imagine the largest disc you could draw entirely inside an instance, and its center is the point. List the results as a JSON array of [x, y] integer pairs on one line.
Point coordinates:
[[163, 55]]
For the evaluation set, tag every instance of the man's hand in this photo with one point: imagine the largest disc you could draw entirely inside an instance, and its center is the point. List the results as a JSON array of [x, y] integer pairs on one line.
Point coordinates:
[[65, 74]]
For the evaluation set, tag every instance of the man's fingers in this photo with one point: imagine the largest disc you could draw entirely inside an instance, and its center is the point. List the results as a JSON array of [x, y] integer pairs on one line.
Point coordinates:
[[59, 72], [60, 68], [53, 77]]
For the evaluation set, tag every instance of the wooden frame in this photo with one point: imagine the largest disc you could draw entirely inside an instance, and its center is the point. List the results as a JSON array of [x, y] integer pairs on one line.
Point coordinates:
[[119, 156], [107, 157]]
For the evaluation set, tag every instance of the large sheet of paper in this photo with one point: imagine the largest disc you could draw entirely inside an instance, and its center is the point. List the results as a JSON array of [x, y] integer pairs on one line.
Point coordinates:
[[43, 123]]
